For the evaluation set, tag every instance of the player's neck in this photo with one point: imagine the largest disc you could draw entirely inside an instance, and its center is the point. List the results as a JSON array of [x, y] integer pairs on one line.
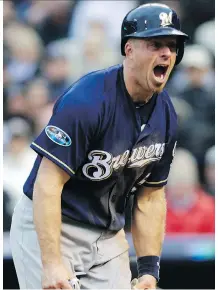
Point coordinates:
[[135, 90]]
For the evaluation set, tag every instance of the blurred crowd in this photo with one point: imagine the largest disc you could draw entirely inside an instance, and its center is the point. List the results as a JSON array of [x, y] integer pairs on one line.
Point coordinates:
[[49, 44]]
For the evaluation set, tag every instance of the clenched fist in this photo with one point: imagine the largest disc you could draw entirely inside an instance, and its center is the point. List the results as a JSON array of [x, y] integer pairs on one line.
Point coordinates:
[[56, 276], [144, 282]]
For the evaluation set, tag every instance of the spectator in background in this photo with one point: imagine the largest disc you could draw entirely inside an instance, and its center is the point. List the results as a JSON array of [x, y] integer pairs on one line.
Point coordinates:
[[18, 158], [205, 35], [56, 70], [79, 57], [189, 208], [69, 51], [29, 99], [196, 70], [87, 12], [209, 170], [25, 48], [36, 94], [198, 66], [49, 19], [56, 23], [96, 49]]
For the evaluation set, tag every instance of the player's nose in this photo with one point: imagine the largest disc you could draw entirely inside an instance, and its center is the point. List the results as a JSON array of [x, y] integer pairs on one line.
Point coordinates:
[[165, 52]]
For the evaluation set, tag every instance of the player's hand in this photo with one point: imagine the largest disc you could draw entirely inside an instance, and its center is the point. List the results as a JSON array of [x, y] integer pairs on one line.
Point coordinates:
[[56, 276], [145, 282]]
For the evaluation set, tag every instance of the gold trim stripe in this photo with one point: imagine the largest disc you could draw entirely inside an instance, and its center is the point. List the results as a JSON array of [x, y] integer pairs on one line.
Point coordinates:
[[53, 157], [156, 182]]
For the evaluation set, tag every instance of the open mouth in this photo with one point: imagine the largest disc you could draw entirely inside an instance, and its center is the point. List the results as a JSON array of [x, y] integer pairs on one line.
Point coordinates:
[[160, 71]]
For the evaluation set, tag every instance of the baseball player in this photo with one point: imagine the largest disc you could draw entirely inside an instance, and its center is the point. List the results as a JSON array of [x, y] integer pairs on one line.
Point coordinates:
[[112, 135]]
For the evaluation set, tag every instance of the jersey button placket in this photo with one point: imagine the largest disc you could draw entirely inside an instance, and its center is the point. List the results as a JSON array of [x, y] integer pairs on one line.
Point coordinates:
[[113, 198]]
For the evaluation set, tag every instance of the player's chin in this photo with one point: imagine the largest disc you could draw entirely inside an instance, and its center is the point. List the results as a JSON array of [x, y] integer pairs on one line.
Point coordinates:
[[158, 88]]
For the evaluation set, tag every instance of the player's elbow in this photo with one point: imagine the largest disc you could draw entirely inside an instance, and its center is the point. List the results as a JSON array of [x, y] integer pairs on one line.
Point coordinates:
[[150, 199]]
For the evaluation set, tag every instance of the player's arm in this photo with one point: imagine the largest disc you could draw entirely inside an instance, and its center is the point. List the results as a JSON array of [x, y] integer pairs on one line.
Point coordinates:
[[149, 211], [148, 228], [64, 144], [47, 209], [148, 225], [47, 219]]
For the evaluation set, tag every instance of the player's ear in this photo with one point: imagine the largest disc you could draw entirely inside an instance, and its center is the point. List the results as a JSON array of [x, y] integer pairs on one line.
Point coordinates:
[[129, 46]]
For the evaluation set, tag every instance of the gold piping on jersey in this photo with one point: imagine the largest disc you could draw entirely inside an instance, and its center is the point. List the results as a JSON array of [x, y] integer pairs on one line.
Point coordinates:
[[53, 157], [156, 182]]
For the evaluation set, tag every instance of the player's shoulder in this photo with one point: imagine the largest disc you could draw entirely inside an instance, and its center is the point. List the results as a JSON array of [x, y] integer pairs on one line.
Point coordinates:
[[90, 89], [167, 103]]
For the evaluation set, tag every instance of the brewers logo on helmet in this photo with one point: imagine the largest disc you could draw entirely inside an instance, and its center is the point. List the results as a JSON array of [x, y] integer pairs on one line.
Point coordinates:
[[153, 20]]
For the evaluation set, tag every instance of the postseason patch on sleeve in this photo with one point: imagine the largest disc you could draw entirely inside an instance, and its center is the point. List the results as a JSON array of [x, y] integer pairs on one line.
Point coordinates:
[[58, 136]]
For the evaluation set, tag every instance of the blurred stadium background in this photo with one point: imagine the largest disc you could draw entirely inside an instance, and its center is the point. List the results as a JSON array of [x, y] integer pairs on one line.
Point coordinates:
[[50, 44]]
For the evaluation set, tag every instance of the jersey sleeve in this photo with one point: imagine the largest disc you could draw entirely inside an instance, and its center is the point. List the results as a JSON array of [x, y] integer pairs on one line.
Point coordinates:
[[160, 171], [68, 135]]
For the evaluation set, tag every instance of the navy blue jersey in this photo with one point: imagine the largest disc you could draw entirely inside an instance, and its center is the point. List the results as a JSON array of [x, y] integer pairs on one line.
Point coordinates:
[[108, 145]]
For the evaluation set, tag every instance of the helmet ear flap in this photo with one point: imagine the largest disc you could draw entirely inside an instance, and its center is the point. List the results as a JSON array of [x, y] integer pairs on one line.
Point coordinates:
[[123, 42], [180, 53]]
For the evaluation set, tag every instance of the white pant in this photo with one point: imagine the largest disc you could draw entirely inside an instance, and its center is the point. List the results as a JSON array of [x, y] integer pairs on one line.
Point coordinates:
[[99, 258]]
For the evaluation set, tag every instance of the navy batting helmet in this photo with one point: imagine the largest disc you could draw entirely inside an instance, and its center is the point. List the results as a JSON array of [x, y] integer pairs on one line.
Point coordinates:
[[153, 20]]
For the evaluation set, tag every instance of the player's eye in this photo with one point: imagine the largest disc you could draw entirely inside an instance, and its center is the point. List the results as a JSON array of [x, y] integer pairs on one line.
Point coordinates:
[[156, 44], [172, 46]]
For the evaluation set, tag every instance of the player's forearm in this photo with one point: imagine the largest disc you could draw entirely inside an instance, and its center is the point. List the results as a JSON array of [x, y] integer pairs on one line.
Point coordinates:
[[148, 225], [47, 220]]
